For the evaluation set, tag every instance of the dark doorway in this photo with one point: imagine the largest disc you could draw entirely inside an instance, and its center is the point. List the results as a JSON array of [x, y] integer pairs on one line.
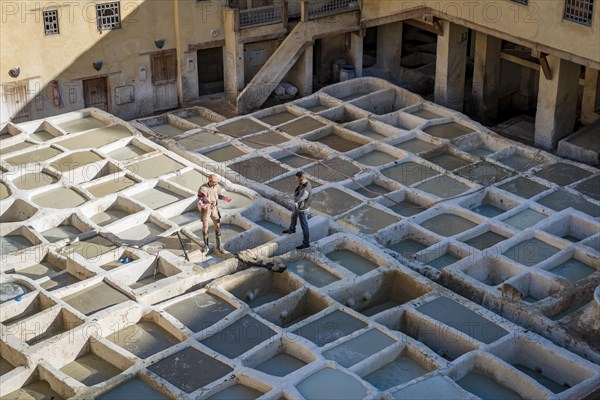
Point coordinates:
[[370, 47], [95, 93], [210, 71], [317, 61]]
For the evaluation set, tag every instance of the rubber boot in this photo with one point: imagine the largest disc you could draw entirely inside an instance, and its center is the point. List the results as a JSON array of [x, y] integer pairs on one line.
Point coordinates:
[[205, 236], [218, 241]]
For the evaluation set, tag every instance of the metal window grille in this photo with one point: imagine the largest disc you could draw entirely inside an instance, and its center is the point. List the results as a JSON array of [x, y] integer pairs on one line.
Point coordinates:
[[524, 2], [579, 11], [51, 22], [108, 16]]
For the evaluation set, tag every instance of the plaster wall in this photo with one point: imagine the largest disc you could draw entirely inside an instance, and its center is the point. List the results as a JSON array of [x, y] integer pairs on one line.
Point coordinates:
[[68, 56]]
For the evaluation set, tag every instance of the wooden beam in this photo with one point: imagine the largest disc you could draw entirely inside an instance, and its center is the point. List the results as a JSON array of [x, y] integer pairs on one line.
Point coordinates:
[[526, 63], [545, 66], [518, 60]]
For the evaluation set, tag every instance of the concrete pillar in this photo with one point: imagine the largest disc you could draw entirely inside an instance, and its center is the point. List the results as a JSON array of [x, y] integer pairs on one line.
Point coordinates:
[[389, 46], [486, 77], [304, 11], [355, 52], [178, 52], [301, 73], [233, 56], [557, 103], [284, 14], [591, 96], [451, 61]]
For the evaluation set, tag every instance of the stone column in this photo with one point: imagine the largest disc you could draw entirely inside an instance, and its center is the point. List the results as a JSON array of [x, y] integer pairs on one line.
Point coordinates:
[[557, 103], [486, 77], [355, 52], [451, 61], [389, 46], [233, 55], [591, 96]]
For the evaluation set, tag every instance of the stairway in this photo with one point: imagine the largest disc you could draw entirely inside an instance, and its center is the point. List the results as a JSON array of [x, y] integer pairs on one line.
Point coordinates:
[[276, 67], [287, 54]]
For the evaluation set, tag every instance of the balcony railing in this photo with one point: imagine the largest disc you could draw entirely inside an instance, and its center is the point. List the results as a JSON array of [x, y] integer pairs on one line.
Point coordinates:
[[281, 10], [323, 8], [267, 15]]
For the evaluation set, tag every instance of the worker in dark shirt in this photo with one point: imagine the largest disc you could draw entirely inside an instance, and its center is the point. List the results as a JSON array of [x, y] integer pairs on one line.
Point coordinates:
[[302, 200]]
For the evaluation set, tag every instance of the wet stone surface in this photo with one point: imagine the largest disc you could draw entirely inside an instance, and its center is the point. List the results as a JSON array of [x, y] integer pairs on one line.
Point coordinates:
[[330, 327], [563, 174], [200, 311], [190, 369], [239, 337], [457, 316]]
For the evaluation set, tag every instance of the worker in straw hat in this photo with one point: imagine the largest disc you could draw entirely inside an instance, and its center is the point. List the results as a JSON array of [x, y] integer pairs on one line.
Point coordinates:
[[209, 195]]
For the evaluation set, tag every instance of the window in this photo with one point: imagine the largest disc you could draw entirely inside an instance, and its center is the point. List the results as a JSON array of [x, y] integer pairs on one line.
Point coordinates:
[[51, 22], [579, 11], [108, 16]]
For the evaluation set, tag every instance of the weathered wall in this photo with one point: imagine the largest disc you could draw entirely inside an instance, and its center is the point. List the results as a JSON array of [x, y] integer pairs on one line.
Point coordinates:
[[68, 56]]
